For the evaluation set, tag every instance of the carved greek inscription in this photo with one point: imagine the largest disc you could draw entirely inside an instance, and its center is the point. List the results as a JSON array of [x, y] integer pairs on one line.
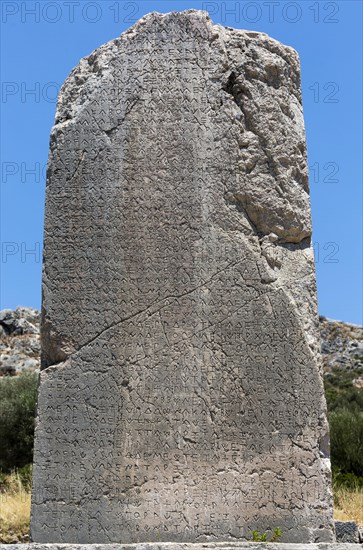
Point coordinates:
[[180, 396]]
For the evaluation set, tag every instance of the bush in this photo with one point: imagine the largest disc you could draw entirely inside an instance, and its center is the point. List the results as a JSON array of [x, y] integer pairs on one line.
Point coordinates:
[[346, 480], [17, 416], [340, 392], [345, 414], [25, 475]]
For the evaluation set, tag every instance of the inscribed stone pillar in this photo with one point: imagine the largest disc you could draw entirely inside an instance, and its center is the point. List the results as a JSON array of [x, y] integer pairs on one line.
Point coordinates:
[[181, 396]]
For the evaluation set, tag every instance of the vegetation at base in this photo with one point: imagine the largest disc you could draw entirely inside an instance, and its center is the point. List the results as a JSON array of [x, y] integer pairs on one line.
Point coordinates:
[[262, 537], [21, 477], [15, 506], [17, 416], [18, 395], [348, 503], [259, 537], [345, 414]]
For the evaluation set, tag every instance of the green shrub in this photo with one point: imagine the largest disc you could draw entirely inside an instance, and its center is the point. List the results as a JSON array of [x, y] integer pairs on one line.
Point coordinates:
[[25, 475], [262, 537], [19, 479], [345, 414], [259, 537], [346, 439], [340, 392], [17, 415], [346, 480]]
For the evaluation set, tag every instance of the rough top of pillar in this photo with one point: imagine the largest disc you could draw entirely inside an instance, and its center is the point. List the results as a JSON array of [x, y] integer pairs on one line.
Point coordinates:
[[285, 212]]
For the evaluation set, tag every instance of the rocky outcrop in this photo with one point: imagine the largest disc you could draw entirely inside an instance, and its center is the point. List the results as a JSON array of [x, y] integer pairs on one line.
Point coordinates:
[[19, 340], [342, 347]]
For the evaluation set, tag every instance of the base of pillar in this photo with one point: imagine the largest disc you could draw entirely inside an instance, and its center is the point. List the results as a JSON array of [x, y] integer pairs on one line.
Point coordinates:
[[187, 546]]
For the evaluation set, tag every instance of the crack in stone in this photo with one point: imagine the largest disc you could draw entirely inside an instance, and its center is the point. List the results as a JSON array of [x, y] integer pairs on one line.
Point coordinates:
[[163, 303], [193, 386], [111, 131], [77, 166]]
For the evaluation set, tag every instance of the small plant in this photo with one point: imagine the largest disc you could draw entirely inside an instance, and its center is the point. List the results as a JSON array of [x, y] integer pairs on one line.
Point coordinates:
[[276, 535], [262, 537], [259, 537]]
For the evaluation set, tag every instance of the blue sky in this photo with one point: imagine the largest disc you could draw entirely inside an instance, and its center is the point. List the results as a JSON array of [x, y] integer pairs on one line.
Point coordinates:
[[43, 40]]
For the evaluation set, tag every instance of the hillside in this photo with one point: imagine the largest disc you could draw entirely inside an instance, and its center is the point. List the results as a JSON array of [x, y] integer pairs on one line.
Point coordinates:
[[341, 346], [19, 340]]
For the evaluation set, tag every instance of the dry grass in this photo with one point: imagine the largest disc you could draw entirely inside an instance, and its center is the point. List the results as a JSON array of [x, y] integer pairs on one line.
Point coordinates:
[[348, 504], [14, 511]]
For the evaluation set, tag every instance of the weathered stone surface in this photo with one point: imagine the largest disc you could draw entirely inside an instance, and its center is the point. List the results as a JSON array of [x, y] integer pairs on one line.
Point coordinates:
[[178, 223], [186, 546]]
